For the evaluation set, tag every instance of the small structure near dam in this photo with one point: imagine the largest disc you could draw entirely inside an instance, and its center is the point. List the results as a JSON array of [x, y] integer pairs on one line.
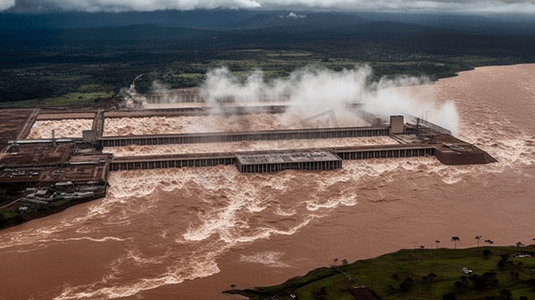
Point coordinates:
[[274, 162]]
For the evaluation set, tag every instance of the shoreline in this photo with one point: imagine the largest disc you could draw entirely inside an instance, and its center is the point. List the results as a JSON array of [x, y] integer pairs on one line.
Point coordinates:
[[347, 274], [21, 217]]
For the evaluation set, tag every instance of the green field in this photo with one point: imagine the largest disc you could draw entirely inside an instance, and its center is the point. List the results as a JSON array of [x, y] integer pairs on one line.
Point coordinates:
[[386, 276], [86, 94]]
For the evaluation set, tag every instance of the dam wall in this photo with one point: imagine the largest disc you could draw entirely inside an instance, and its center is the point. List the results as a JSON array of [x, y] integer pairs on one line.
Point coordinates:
[[335, 157], [223, 137]]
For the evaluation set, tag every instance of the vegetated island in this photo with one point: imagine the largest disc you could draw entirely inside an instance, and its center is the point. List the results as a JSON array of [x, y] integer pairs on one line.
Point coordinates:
[[474, 273]]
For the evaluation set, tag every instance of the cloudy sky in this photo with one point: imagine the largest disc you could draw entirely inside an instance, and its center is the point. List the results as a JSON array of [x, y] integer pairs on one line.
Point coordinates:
[[415, 6]]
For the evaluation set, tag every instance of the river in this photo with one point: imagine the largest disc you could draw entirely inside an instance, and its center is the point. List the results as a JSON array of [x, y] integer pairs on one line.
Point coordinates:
[[190, 233]]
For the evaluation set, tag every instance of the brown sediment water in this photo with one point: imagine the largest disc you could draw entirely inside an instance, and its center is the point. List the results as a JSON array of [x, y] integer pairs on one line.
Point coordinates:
[[173, 105], [62, 128], [223, 123], [135, 150], [190, 233]]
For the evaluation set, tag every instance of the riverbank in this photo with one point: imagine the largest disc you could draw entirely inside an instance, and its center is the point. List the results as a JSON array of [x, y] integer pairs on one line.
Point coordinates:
[[55, 199], [473, 273]]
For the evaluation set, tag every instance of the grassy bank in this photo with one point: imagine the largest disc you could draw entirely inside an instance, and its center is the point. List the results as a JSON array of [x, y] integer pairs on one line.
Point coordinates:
[[418, 274], [12, 216]]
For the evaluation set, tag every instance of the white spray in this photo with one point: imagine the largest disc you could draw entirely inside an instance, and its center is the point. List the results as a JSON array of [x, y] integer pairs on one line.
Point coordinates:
[[317, 90]]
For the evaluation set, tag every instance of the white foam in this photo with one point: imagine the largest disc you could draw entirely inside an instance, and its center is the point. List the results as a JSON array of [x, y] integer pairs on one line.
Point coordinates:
[[269, 258]]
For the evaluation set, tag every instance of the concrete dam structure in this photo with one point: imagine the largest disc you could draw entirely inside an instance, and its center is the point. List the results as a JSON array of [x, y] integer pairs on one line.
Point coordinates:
[[52, 159], [419, 138]]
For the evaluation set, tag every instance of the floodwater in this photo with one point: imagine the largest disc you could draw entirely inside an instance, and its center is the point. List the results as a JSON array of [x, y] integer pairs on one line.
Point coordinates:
[[135, 150], [224, 123], [191, 233], [62, 128]]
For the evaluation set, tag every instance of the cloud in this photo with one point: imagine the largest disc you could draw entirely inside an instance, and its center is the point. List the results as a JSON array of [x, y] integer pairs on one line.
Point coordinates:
[[129, 5], [5, 4], [295, 16], [413, 6]]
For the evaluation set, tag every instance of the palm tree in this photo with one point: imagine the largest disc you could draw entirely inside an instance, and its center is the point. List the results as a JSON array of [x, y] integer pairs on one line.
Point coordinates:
[[518, 244], [489, 242], [437, 241], [455, 239], [478, 237]]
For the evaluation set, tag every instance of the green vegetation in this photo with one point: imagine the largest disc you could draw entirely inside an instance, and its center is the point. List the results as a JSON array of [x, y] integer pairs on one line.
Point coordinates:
[[58, 77], [78, 98], [10, 212], [86, 95], [419, 274]]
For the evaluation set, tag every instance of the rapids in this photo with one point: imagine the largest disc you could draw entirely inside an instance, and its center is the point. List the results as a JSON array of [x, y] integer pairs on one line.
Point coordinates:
[[63, 128]]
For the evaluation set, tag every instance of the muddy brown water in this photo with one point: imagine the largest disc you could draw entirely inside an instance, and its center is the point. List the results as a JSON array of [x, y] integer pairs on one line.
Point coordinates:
[[191, 233]]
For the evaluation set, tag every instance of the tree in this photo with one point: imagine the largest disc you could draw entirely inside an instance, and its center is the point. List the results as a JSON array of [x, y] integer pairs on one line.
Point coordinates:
[[503, 262], [518, 244], [489, 242], [478, 237], [449, 296], [531, 282], [455, 239], [486, 253], [335, 260], [506, 294], [514, 274], [438, 242], [406, 284]]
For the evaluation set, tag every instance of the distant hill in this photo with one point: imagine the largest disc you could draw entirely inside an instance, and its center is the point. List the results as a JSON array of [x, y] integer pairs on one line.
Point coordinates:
[[216, 18], [254, 19], [308, 21]]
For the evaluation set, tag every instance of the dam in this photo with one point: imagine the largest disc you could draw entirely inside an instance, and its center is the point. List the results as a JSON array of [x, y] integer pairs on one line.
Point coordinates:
[[420, 138], [57, 158]]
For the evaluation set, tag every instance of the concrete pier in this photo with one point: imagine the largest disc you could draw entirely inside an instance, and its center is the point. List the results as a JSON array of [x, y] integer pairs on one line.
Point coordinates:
[[25, 131], [272, 161], [98, 123], [222, 137]]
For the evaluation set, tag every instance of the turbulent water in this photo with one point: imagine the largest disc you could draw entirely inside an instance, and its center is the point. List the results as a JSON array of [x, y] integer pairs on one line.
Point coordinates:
[[190, 233], [62, 128], [135, 150], [223, 123]]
